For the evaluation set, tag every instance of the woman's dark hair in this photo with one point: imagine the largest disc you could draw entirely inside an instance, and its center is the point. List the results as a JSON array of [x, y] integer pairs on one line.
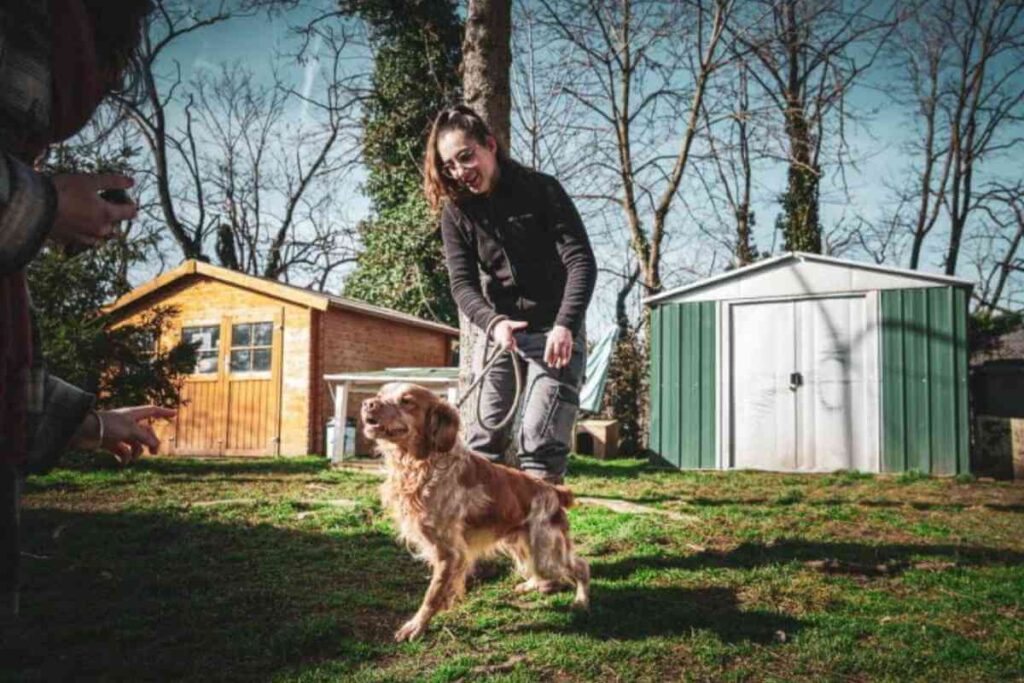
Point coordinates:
[[437, 187], [118, 27]]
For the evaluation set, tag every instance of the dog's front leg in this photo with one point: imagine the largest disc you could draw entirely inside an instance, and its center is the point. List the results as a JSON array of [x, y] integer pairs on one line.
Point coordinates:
[[449, 576]]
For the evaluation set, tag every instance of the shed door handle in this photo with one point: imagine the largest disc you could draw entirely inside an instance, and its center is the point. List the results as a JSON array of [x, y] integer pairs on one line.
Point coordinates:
[[796, 380]]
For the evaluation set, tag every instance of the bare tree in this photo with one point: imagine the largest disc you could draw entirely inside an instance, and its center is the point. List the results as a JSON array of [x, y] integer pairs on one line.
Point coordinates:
[[638, 63], [270, 155], [809, 54], [246, 160], [962, 60], [999, 256], [544, 131], [733, 146], [486, 51], [486, 61]]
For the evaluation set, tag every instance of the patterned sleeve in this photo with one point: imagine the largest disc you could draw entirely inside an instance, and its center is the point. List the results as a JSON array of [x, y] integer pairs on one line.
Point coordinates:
[[28, 201], [64, 408], [28, 204]]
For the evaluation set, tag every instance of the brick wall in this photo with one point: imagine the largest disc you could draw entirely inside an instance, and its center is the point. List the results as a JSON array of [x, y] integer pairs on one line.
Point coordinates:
[[352, 341]]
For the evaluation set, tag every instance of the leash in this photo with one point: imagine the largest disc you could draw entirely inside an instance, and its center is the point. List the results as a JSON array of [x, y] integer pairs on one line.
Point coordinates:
[[489, 364]]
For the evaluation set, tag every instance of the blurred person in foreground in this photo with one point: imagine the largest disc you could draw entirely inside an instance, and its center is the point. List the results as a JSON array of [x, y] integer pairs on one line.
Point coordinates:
[[58, 60]]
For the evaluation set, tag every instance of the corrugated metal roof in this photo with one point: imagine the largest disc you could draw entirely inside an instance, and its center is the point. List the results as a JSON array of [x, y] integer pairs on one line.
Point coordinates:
[[803, 256]]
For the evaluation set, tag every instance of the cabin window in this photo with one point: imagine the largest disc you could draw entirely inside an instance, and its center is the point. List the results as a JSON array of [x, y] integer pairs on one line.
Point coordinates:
[[147, 341], [250, 346], [206, 340]]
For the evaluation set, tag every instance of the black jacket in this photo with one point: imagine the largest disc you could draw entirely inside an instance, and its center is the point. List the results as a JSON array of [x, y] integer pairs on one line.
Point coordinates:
[[520, 251]]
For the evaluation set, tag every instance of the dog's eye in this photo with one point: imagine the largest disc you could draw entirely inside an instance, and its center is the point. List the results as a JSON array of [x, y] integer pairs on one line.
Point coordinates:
[[407, 401]]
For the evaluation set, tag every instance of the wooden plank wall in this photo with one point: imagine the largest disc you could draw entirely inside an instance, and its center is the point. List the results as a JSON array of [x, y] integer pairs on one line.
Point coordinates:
[[237, 414]]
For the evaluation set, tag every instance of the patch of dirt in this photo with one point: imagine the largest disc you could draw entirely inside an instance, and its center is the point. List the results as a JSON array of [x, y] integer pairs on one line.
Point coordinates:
[[626, 507]]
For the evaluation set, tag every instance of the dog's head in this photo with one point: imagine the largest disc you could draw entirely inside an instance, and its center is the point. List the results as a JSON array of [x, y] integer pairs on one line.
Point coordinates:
[[412, 418]]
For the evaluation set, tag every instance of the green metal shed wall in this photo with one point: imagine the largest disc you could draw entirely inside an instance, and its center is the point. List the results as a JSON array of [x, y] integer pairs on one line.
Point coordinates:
[[924, 380], [683, 384]]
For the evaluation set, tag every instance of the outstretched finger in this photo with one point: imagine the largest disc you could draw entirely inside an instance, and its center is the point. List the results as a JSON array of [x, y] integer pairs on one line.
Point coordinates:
[[145, 412]]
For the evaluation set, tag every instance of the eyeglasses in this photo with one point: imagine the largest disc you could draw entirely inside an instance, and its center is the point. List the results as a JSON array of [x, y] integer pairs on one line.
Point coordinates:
[[465, 158]]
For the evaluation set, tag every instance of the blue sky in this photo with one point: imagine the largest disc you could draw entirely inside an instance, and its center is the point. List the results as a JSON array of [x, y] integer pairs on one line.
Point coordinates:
[[876, 140]]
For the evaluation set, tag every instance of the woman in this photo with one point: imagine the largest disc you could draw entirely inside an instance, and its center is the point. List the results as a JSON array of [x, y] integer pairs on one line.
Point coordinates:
[[58, 59], [521, 269]]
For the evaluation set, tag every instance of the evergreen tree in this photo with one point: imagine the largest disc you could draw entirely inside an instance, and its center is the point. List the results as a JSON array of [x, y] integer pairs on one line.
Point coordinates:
[[417, 48]]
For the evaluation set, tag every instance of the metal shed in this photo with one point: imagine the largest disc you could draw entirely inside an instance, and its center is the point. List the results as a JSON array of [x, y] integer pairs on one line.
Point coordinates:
[[809, 363]]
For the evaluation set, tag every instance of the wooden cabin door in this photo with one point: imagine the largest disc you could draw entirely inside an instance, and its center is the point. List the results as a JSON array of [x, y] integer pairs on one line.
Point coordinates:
[[231, 404], [253, 385]]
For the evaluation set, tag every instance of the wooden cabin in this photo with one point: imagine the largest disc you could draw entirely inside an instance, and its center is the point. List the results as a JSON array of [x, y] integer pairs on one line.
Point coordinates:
[[263, 348]]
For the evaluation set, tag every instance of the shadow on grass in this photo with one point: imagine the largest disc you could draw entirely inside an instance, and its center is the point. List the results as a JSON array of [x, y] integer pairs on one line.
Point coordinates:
[[91, 462], [190, 466], [701, 501], [618, 469], [144, 596], [635, 613], [855, 557]]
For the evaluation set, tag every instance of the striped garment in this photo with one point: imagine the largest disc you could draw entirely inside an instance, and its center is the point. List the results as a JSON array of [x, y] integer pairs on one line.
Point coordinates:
[[28, 205], [27, 199]]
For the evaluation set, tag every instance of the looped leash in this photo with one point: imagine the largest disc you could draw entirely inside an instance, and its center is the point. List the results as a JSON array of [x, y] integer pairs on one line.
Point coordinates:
[[489, 363]]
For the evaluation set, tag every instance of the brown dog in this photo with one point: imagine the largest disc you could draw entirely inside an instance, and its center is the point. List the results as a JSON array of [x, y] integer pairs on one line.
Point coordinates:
[[454, 506]]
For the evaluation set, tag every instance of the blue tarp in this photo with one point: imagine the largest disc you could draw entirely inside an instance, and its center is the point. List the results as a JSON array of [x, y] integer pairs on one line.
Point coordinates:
[[598, 361]]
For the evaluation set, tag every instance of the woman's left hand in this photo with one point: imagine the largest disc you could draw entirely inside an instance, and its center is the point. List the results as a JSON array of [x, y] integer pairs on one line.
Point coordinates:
[[558, 350]]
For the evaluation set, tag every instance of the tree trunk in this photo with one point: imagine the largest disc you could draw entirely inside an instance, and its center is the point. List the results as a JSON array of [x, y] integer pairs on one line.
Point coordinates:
[[801, 230], [486, 60]]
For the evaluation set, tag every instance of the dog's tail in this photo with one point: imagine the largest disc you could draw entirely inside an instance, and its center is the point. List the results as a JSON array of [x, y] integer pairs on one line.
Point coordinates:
[[565, 497]]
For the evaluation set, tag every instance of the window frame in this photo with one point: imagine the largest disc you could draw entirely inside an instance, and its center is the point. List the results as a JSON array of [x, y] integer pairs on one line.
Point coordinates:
[[251, 347], [195, 374]]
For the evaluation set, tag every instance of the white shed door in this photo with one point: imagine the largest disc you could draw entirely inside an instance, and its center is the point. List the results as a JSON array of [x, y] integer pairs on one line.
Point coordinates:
[[803, 385], [764, 408]]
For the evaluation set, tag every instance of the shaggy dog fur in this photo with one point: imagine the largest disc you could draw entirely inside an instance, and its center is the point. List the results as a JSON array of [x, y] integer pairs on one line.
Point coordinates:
[[453, 506]]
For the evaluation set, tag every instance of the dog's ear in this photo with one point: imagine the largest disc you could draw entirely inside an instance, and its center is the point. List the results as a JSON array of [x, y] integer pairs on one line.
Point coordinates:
[[442, 429]]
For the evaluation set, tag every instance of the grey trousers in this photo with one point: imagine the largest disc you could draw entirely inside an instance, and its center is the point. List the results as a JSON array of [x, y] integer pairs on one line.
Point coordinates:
[[548, 411]]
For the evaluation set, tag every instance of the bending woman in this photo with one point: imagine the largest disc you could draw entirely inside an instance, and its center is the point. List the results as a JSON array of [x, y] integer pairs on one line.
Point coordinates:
[[522, 269]]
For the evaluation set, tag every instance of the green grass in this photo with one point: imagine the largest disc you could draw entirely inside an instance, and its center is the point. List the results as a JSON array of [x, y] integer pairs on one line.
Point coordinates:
[[285, 570]]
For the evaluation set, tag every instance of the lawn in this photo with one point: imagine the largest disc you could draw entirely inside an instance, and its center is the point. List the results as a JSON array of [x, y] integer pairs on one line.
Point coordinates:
[[287, 570]]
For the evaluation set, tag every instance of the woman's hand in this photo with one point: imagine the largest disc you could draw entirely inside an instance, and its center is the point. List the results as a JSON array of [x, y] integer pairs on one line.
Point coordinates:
[[504, 332], [558, 349], [83, 217], [125, 431]]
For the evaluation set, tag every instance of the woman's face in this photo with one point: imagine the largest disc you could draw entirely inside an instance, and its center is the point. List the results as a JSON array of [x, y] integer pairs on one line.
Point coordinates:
[[471, 164]]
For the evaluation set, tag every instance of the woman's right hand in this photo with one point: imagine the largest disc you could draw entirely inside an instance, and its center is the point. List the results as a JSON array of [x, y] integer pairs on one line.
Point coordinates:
[[504, 332], [83, 217]]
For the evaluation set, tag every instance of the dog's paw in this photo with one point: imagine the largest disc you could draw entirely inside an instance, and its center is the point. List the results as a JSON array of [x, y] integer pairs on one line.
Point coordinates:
[[525, 586], [412, 630], [581, 602]]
